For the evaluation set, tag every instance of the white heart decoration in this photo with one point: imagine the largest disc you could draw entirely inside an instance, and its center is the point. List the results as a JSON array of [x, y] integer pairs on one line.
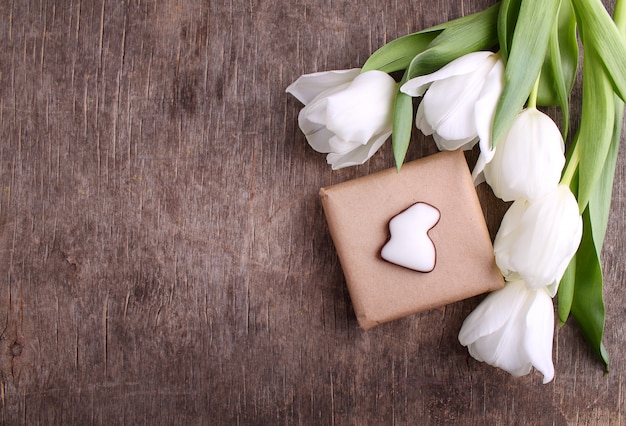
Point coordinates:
[[409, 244]]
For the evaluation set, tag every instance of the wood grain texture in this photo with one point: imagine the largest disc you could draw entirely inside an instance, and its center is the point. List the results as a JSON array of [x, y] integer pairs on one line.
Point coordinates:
[[164, 258]]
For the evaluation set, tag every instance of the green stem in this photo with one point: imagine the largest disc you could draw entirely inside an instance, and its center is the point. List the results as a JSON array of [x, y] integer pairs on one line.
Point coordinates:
[[532, 99], [572, 166]]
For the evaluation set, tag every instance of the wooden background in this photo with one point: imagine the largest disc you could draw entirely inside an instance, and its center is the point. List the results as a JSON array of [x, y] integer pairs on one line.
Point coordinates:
[[164, 258]]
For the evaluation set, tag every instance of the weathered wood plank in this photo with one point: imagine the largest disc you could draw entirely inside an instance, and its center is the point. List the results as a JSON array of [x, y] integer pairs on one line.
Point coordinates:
[[163, 254]]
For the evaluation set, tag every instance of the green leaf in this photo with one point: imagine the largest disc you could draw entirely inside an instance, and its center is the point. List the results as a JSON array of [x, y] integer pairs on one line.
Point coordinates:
[[472, 33], [509, 11], [402, 125], [526, 56], [587, 303], [397, 54], [566, 291], [559, 69], [600, 199], [596, 127], [488, 14], [566, 286], [600, 31]]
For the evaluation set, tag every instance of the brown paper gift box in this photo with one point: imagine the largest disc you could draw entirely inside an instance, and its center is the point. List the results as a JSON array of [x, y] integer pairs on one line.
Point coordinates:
[[358, 214]]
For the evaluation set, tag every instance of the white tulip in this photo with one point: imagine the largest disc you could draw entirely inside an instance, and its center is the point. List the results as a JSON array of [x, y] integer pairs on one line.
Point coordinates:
[[459, 100], [347, 114], [512, 329], [537, 239], [529, 160]]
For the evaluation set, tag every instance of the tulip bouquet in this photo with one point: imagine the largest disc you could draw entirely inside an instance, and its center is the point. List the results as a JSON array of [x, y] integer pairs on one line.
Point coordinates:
[[480, 80]]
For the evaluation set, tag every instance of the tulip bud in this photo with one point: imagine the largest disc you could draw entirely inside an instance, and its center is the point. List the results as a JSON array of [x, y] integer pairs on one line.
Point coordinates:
[[451, 109], [347, 114], [528, 162], [512, 329], [537, 239]]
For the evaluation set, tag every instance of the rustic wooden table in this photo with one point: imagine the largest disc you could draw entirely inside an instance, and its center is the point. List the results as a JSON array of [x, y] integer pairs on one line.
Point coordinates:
[[164, 258]]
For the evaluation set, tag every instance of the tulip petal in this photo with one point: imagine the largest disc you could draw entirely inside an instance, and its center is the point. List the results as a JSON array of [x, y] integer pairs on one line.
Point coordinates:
[[529, 160], [538, 243], [540, 333], [512, 356], [485, 108], [477, 174], [563, 236], [463, 65], [312, 117], [449, 107], [308, 86], [522, 340], [500, 346], [317, 110], [340, 146], [348, 114], [362, 109], [316, 133], [553, 288], [452, 145], [358, 155], [500, 350], [509, 224], [450, 104], [489, 316], [319, 139], [421, 123]]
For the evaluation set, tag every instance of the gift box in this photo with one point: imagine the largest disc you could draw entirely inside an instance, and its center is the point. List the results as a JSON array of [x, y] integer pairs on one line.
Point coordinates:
[[359, 212]]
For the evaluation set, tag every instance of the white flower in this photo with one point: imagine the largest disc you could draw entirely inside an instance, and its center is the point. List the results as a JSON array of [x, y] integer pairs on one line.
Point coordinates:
[[461, 99], [348, 114], [512, 329], [529, 160], [537, 239]]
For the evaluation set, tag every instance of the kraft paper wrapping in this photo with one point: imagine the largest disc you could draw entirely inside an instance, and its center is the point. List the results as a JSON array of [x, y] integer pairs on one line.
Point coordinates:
[[358, 214]]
